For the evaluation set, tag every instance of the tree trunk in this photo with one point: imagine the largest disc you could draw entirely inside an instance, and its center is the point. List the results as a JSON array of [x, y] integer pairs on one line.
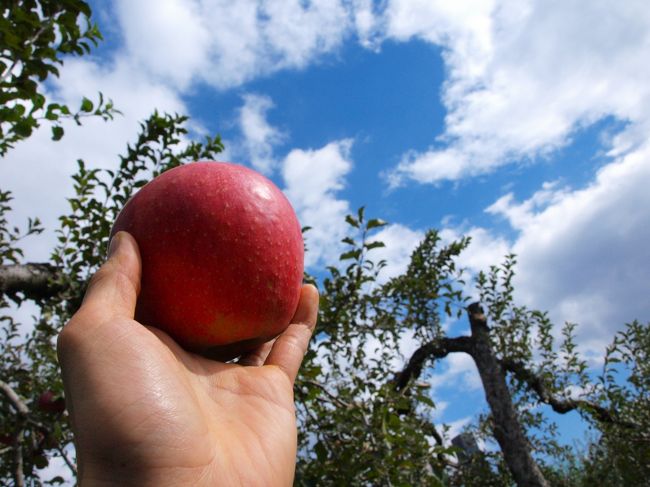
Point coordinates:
[[507, 429]]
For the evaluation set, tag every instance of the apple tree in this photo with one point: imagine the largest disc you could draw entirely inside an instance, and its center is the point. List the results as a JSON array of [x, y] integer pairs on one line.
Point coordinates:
[[369, 419]]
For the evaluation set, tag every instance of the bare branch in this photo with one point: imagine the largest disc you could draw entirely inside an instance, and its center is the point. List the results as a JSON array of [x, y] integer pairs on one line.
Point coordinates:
[[67, 461], [35, 281], [23, 411], [15, 400], [561, 405], [332, 398], [430, 428], [19, 474], [435, 349]]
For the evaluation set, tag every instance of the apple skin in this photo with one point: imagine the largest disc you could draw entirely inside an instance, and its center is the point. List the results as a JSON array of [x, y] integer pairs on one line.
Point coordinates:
[[49, 403], [222, 257]]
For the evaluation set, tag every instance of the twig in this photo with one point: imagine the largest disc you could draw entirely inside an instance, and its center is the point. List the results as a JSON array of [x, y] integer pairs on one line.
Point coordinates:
[[67, 461], [333, 399], [14, 399]]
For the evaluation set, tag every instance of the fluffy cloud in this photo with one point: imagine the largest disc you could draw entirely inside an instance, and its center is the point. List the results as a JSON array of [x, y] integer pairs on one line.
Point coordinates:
[[457, 368], [524, 77], [259, 137], [226, 43], [312, 180], [583, 254], [485, 249], [400, 242], [172, 43]]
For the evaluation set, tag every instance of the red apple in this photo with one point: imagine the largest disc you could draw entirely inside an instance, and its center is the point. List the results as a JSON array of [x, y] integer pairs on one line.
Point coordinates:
[[222, 257], [49, 403]]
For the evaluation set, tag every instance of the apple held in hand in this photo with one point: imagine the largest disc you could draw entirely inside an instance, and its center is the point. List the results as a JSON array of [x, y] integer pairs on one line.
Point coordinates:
[[222, 257]]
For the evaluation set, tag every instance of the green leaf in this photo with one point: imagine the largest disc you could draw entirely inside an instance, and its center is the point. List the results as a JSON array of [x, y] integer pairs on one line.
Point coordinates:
[[376, 223], [86, 105], [57, 132], [23, 128], [41, 461], [360, 212], [374, 245], [352, 254], [321, 452], [352, 221]]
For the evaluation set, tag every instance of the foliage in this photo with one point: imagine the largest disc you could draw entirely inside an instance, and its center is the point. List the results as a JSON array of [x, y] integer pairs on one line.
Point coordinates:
[[35, 36], [29, 363], [356, 428], [525, 337], [622, 454]]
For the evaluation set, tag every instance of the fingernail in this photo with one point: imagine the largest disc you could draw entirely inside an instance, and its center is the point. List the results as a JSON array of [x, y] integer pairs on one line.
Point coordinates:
[[114, 244]]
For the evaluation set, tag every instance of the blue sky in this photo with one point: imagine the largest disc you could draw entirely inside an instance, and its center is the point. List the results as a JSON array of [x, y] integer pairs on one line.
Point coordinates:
[[523, 124]]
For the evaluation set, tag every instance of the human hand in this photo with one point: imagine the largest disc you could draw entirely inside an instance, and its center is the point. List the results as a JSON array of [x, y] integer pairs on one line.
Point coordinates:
[[146, 412]]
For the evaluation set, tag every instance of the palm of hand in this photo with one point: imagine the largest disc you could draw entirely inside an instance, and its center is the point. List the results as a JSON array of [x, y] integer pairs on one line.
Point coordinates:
[[190, 420], [146, 412]]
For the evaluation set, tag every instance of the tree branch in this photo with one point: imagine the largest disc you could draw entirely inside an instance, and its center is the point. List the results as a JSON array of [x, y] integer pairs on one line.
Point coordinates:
[[19, 474], [67, 461], [560, 405], [23, 411], [34, 281], [431, 429], [15, 400], [332, 398], [436, 349]]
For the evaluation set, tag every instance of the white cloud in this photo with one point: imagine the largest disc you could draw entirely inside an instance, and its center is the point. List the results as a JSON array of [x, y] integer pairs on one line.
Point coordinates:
[[312, 180], [524, 77], [484, 250], [458, 371], [400, 243], [259, 137], [166, 37], [518, 215], [368, 24], [227, 43], [583, 254]]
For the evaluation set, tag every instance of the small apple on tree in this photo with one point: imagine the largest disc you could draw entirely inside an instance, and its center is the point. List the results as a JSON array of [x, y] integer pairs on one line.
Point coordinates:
[[50, 403], [222, 257]]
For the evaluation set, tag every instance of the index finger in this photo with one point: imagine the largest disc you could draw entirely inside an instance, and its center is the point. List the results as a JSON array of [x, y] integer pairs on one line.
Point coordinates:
[[290, 347]]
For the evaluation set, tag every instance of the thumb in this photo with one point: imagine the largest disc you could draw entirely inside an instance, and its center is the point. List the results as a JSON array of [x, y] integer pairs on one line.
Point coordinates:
[[113, 290]]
